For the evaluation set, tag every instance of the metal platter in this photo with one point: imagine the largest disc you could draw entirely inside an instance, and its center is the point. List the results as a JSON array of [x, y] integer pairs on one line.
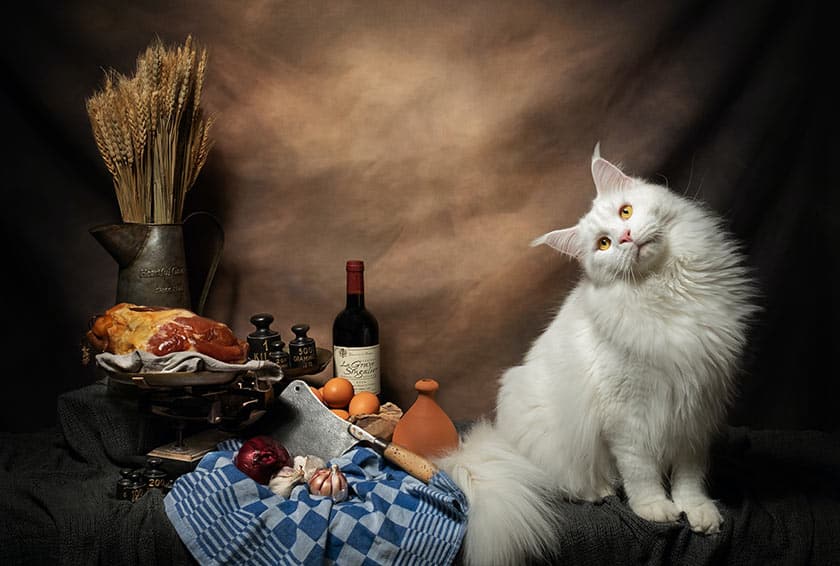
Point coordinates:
[[208, 378], [172, 378]]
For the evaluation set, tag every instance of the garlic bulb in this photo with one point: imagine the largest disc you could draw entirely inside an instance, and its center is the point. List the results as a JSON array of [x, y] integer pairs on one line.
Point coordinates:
[[330, 482], [310, 465], [284, 480]]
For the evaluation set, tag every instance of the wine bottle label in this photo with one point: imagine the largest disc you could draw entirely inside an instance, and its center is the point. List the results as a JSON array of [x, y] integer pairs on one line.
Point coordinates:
[[359, 365]]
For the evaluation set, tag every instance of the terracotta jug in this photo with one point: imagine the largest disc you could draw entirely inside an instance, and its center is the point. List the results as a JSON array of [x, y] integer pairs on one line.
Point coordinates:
[[425, 428]]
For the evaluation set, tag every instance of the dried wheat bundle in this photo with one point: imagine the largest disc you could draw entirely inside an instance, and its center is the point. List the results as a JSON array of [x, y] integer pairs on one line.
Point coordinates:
[[151, 131]]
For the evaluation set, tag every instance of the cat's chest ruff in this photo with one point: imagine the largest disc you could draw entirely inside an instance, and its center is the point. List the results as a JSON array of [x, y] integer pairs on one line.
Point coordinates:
[[655, 321]]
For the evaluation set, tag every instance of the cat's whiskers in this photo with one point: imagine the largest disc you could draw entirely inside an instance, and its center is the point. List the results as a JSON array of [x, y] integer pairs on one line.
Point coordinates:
[[623, 270], [618, 272], [632, 273]]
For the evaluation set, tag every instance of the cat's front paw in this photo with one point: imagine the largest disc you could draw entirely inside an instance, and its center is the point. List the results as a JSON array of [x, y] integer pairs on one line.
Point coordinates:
[[605, 491], [704, 517], [657, 510]]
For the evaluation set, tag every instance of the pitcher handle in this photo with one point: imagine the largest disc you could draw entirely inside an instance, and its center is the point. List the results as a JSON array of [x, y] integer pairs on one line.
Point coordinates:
[[217, 255]]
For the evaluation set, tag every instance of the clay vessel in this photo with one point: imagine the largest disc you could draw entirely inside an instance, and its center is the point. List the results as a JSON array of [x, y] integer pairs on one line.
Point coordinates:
[[425, 428]]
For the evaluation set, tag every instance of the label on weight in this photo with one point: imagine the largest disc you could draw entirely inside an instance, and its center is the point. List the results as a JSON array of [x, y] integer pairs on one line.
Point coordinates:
[[359, 365]]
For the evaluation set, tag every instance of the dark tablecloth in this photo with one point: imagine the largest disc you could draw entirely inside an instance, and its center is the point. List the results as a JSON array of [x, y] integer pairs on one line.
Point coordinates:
[[778, 490], [779, 493], [58, 501]]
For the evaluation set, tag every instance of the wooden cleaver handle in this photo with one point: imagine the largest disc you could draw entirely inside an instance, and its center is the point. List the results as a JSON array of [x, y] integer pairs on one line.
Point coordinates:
[[414, 464]]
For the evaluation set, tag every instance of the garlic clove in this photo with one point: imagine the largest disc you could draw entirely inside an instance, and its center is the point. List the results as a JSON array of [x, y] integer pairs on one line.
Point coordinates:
[[329, 482], [317, 481], [338, 484], [285, 480], [310, 465]]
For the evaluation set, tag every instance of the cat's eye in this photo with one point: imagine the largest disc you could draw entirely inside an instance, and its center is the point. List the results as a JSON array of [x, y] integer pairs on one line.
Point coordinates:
[[625, 211], [604, 243]]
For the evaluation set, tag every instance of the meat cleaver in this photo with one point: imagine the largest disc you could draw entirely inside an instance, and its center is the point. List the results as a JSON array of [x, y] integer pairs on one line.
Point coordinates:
[[306, 426]]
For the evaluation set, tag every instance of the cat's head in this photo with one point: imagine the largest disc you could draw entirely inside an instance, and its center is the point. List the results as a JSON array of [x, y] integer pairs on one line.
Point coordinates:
[[625, 233]]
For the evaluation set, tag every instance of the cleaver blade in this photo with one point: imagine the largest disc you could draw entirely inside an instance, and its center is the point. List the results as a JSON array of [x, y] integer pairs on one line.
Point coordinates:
[[306, 426]]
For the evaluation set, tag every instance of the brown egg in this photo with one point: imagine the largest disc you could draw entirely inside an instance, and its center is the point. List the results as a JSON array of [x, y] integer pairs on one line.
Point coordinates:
[[337, 392], [341, 413], [318, 393], [363, 403]]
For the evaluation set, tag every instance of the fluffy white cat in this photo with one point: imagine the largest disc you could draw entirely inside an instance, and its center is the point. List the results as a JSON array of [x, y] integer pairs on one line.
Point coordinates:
[[627, 385]]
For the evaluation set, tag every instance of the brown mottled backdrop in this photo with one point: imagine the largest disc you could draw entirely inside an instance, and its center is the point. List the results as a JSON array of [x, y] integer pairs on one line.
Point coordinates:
[[433, 140]]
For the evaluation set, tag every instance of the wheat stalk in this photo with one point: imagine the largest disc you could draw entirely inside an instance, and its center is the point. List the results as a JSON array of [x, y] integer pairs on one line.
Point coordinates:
[[151, 131]]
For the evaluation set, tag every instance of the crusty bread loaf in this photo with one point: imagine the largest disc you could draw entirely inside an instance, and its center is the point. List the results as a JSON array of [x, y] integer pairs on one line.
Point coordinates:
[[126, 327]]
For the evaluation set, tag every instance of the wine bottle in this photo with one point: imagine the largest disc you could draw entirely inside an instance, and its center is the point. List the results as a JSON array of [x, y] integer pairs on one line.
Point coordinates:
[[356, 335]]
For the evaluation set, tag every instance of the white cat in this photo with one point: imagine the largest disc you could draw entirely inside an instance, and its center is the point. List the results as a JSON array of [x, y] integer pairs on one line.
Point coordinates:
[[627, 385]]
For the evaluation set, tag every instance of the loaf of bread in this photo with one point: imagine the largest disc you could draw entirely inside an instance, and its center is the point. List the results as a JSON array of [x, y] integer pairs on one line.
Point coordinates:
[[126, 327]]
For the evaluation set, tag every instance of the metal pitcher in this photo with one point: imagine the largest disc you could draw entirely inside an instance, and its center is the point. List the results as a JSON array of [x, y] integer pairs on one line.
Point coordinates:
[[152, 259]]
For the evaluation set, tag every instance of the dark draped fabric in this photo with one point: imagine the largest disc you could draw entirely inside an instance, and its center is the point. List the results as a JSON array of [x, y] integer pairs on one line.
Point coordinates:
[[777, 491]]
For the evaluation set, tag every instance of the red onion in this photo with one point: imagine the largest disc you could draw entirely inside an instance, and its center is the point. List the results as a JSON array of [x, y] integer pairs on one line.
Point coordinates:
[[261, 457]]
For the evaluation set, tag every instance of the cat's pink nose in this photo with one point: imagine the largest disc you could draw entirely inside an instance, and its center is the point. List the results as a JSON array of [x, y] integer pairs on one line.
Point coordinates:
[[625, 237]]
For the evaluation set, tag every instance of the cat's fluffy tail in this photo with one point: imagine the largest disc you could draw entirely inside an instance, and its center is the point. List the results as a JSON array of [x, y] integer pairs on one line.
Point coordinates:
[[509, 518]]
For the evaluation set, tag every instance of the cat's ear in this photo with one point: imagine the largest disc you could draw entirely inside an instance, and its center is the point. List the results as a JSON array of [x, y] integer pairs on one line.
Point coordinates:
[[608, 178], [565, 240]]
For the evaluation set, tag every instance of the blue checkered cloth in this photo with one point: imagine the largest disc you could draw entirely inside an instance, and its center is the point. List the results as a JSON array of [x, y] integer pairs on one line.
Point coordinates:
[[225, 517]]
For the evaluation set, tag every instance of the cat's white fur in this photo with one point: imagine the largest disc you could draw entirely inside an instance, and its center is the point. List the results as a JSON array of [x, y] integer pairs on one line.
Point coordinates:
[[627, 385]]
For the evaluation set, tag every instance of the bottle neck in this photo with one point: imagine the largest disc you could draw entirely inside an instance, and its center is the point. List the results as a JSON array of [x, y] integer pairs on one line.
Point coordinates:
[[355, 289]]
